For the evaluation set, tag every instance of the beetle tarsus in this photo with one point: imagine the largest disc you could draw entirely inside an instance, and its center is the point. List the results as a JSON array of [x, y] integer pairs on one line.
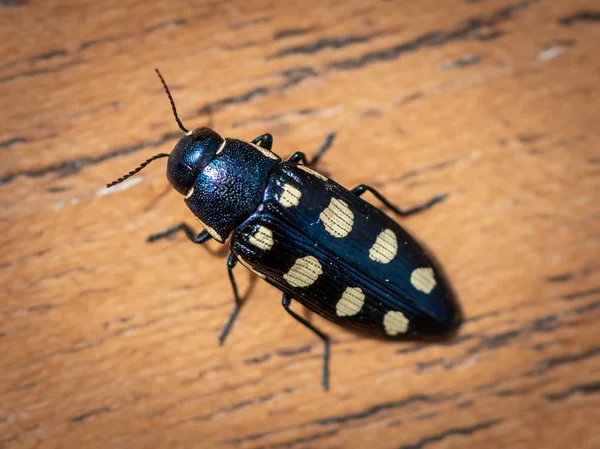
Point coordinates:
[[286, 301]]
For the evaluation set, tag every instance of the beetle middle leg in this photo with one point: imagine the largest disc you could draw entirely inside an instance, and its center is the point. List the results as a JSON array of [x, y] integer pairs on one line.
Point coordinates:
[[189, 233], [299, 156], [232, 261], [286, 300], [359, 190]]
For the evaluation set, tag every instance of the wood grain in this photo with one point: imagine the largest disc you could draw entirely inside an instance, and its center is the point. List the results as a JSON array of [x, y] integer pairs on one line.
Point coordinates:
[[107, 341]]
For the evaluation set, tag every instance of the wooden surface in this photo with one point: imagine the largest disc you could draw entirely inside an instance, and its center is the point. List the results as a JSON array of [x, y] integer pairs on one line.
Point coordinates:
[[109, 342]]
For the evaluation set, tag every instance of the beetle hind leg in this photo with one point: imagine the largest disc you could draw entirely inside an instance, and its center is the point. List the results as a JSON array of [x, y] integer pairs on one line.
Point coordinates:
[[286, 301]]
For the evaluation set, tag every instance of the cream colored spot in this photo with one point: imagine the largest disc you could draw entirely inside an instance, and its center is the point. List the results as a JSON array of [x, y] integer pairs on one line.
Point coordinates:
[[263, 238], [190, 193], [351, 302], [312, 172], [337, 218], [222, 146], [423, 279], [264, 151], [290, 196], [214, 234], [385, 247], [304, 272], [395, 323], [247, 265], [189, 133]]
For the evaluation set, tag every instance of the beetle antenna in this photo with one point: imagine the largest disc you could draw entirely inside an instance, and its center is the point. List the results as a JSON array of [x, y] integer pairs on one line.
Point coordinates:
[[162, 80], [133, 172]]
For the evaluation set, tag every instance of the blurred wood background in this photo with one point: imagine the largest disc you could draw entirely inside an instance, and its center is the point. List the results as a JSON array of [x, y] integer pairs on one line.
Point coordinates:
[[109, 342]]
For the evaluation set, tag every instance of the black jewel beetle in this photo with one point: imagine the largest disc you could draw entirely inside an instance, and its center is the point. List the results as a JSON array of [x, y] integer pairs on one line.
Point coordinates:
[[314, 240]]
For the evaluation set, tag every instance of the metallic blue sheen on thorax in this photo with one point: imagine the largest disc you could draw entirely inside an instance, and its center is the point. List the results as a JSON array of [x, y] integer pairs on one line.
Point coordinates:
[[231, 186]]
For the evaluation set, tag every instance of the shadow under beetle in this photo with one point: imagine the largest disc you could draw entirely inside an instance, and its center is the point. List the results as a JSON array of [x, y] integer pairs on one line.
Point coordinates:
[[314, 240]]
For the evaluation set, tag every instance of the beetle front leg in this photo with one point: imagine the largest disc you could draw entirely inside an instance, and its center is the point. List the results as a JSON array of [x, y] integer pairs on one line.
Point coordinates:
[[189, 233], [265, 141], [359, 190], [286, 300], [231, 263]]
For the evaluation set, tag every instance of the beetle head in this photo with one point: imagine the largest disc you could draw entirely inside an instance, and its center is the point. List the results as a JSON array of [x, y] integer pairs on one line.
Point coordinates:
[[191, 154]]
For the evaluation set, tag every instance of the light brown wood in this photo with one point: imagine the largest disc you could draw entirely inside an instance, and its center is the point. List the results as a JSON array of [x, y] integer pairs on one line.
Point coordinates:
[[109, 342]]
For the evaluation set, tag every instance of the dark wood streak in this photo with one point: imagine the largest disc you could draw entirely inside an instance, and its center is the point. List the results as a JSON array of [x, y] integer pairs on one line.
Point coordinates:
[[300, 440], [560, 277], [352, 417], [285, 33], [437, 38], [587, 308], [43, 71], [553, 362], [168, 24], [232, 408], [468, 430], [335, 42], [378, 408], [583, 389], [257, 359], [252, 22], [14, 141], [294, 351], [452, 342], [415, 172], [580, 16], [72, 166], [13, 3], [582, 294], [36, 58], [544, 324], [462, 62], [58, 189], [272, 118], [91, 413]]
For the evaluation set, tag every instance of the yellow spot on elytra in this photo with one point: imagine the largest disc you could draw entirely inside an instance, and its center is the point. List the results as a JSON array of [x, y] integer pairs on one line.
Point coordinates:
[[304, 272], [423, 279], [290, 196], [262, 238], [351, 302], [395, 323], [385, 247], [337, 218]]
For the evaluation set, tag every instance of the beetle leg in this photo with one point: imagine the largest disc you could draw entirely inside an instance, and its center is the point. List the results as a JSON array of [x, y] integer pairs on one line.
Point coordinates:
[[265, 141], [299, 156], [286, 301], [359, 190], [324, 147], [231, 263], [190, 234]]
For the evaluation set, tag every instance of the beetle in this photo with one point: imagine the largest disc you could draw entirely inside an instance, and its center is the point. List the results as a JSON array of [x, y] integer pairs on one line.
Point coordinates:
[[319, 243]]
